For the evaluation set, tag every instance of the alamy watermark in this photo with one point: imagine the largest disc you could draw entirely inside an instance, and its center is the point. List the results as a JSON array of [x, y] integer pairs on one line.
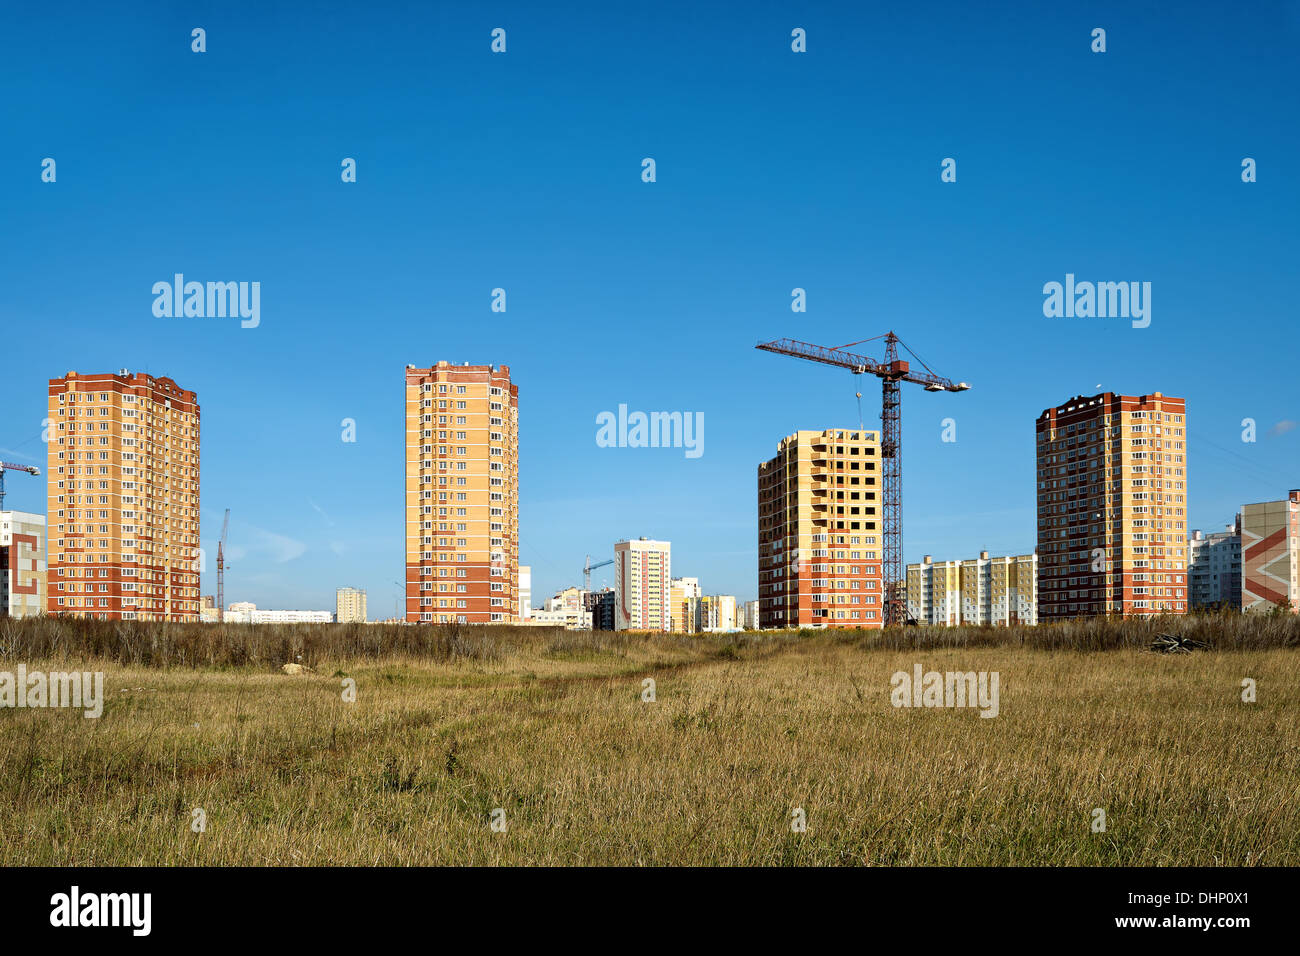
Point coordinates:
[[75, 908], [950, 689], [212, 300], [1102, 300], [653, 430], [81, 689]]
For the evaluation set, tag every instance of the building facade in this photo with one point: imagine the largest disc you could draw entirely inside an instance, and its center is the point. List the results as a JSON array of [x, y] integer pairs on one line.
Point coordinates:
[[716, 612], [819, 531], [1214, 569], [23, 568], [570, 603], [934, 592], [123, 498], [1112, 492], [600, 606], [525, 592], [642, 592], [462, 494], [245, 612], [350, 606], [983, 590], [681, 592], [1270, 551]]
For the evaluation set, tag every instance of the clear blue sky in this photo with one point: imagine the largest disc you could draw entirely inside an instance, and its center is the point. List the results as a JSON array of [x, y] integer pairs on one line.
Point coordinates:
[[775, 170]]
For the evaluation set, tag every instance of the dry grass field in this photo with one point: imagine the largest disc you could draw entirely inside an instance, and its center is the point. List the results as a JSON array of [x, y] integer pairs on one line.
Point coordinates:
[[551, 728]]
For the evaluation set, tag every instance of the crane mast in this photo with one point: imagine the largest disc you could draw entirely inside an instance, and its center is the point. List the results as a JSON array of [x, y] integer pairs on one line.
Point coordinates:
[[221, 568]]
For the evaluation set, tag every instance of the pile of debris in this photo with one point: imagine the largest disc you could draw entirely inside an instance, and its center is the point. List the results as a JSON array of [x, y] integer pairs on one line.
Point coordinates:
[[1176, 644]]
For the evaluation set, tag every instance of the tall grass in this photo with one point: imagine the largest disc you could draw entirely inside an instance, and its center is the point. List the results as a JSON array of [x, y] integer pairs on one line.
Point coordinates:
[[553, 728], [1220, 630], [269, 646]]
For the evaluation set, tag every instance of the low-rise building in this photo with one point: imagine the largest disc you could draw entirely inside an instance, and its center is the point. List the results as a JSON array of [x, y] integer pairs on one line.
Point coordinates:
[[245, 612], [983, 590], [710, 612], [525, 592], [1270, 554], [681, 591], [1214, 568], [23, 568], [570, 603], [209, 613], [560, 617]]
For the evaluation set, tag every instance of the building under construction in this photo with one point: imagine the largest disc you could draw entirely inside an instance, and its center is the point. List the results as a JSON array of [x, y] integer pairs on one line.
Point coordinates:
[[892, 371], [819, 532]]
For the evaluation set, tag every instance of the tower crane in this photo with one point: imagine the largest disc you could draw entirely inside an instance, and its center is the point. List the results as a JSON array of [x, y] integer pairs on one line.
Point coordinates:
[[221, 568], [10, 466], [588, 568], [892, 371]]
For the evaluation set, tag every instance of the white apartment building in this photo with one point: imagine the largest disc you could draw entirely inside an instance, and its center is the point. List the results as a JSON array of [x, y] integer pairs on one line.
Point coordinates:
[[350, 606], [642, 585], [983, 590], [525, 592], [245, 612], [560, 617], [681, 592], [1214, 568], [716, 612]]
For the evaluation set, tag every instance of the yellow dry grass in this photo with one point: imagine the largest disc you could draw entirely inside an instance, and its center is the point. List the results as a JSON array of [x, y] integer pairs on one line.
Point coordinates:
[[556, 734]]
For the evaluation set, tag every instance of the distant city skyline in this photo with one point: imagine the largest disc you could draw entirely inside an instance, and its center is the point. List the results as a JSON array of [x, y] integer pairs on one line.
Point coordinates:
[[775, 171]]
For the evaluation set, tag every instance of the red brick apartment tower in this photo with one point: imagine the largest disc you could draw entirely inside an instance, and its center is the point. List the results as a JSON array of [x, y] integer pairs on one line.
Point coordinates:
[[819, 531], [1112, 518], [123, 498], [462, 494]]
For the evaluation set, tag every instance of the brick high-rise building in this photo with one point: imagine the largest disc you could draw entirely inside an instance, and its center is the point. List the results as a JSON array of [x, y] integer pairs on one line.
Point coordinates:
[[462, 494], [819, 531], [123, 507], [1270, 554], [1112, 512]]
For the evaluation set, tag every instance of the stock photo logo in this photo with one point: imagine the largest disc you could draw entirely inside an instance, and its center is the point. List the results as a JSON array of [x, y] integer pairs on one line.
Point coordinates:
[[1102, 300], [959, 689], [78, 909], [38, 689], [212, 300], [651, 430]]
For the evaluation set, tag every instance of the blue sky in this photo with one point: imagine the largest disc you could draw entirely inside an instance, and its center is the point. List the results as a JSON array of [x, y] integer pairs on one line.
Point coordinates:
[[522, 170]]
